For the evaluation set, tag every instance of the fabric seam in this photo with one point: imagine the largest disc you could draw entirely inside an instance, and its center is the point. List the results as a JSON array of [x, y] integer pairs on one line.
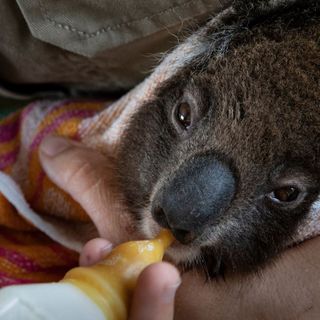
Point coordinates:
[[105, 29]]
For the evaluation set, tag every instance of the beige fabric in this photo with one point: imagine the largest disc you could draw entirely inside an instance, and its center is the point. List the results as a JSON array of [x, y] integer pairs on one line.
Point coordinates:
[[107, 44], [89, 27]]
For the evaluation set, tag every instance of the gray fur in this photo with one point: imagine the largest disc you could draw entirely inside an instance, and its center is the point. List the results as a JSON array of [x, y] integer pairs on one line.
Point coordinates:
[[255, 94]]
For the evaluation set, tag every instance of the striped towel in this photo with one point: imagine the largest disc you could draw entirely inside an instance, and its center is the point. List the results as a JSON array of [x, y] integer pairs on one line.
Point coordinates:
[[28, 254]]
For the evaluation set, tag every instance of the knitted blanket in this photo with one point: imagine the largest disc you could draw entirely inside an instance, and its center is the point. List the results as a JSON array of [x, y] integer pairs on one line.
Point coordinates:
[[28, 252], [41, 228]]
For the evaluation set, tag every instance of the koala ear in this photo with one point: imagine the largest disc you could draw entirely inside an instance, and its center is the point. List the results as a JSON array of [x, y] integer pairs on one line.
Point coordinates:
[[252, 7]]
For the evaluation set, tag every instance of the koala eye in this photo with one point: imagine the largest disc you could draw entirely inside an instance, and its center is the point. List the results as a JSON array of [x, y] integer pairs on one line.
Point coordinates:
[[184, 115], [285, 194]]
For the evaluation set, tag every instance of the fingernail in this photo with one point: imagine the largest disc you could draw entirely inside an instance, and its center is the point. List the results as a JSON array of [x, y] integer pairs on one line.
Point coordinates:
[[106, 250], [52, 146], [169, 292]]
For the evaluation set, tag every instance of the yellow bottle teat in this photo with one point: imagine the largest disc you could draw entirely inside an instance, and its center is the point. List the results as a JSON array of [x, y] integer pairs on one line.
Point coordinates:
[[110, 283]]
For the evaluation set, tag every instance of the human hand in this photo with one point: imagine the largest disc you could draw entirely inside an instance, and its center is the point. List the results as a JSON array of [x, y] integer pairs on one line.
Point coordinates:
[[88, 177], [154, 295], [286, 290]]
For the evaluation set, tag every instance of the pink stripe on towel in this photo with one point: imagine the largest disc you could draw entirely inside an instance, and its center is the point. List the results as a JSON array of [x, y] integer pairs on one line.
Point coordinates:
[[9, 131], [8, 158]]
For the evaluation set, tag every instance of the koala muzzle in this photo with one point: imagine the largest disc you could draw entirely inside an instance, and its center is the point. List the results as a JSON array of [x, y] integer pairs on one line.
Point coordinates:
[[195, 197]]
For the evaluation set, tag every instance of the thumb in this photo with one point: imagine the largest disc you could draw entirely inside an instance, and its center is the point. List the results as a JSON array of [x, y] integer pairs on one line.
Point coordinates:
[[88, 176]]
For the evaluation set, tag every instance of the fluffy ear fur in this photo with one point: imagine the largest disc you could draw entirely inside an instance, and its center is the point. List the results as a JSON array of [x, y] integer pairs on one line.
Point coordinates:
[[252, 7]]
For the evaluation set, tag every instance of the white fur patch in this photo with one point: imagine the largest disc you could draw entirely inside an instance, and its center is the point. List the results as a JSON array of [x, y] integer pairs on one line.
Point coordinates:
[[316, 205], [311, 226]]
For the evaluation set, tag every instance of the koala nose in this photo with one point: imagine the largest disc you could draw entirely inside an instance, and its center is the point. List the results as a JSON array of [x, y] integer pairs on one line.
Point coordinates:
[[195, 197]]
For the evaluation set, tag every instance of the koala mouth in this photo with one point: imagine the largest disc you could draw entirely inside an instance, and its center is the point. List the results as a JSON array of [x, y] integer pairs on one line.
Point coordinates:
[[177, 253], [185, 237]]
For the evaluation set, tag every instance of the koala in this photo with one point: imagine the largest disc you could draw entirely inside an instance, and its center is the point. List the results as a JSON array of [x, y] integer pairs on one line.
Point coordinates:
[[227, 154]]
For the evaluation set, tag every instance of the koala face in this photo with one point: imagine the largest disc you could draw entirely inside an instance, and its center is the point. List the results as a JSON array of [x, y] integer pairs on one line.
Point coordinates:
[[227, 156]]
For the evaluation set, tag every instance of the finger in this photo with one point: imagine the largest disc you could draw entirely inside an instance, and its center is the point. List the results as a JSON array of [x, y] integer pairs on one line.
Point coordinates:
[[67, 162], [88, 177], [155, 293], [94, 251]]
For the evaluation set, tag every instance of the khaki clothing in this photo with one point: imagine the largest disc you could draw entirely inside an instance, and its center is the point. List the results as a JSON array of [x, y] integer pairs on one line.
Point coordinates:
[[98, 44]]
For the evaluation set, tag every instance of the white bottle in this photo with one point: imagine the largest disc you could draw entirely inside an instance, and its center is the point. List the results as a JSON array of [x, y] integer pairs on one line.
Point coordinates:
[[99, 292]]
